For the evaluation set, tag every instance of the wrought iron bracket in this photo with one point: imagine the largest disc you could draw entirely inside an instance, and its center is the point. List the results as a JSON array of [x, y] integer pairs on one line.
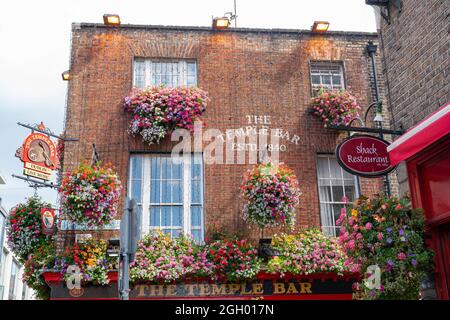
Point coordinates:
[[45, 130]]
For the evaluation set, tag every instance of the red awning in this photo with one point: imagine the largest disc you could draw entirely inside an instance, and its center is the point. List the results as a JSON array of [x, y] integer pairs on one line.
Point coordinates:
[[423, 134]]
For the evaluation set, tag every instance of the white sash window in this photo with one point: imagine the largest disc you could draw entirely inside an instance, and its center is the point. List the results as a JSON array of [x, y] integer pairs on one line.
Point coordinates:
[[170, 193], [171, 73], [334, 183]]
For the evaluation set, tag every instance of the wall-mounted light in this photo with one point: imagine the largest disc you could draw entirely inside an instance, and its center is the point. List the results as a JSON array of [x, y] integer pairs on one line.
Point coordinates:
[[111, 19], [221, 23], [66, 75], [320, 26]]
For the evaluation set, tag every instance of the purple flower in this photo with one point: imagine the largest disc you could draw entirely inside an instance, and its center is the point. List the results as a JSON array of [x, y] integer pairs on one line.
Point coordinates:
[[389, 230], [389, 240], [414, 262], [401, 232], [389, 265]]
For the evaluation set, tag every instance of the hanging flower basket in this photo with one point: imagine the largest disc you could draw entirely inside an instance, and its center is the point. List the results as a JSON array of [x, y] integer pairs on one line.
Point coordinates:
[[90, 194], [335, 107], [270, 194], [24, 228], [157, 110]]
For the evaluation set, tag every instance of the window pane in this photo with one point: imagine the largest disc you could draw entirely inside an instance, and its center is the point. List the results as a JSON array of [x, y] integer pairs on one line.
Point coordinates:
[[197, 235], [196, 172], [166, 168], [177, 216], [139, 73], [336, 80], [156, 168], [338, 193], [326, 80], [136, 190], [166, 193], [322, 167], [155, 217], [196, 191], [176, 233], [177, 193], [165, 216], [315, 79], [350, 193], [155, 195], [325, 193], [196, 216], [136, 166], [176, 170]]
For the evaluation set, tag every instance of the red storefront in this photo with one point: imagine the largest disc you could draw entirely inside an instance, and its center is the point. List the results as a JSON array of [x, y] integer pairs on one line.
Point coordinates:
[[426, 150]]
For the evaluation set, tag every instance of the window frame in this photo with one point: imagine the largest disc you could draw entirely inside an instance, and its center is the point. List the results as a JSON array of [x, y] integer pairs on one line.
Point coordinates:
[[12, 294], [338, 63], [145, 204], [325, 228], [182, 65]]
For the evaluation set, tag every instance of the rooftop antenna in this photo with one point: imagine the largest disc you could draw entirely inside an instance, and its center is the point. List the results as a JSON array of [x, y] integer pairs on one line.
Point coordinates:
[[235, 15]]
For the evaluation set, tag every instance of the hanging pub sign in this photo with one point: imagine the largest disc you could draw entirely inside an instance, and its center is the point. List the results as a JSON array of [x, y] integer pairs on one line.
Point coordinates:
[[365, 156], [38, 154], [48, 221]]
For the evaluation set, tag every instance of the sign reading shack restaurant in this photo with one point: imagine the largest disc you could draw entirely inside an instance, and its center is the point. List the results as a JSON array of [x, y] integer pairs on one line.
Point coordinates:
[[364, 155]]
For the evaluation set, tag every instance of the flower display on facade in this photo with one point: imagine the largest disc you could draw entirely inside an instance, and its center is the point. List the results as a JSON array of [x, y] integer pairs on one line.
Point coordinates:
[[335, 107], [42, 257], [386, 232], [156, 110], [307, 252], [233, 259], [271, 193], [90, 257], [90, 194], [159, 258], [24, 228]]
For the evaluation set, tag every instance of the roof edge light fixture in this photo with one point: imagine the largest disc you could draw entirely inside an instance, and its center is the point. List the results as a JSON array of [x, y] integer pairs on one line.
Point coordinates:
[[320, 26], [111, 19], [66, 75], [223, 22]]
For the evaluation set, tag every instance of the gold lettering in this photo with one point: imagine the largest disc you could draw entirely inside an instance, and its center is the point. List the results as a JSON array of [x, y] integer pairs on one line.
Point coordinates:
[[291, 288], [157, 290], [257, 288], [171, 290], [219, 289], [233, 288], [244, 289], [190, 289], [305, 287], [278, 288], [141, 289], [204, 289]]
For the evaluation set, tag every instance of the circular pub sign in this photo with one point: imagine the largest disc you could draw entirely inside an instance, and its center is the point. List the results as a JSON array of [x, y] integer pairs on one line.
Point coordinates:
[[364, 155]]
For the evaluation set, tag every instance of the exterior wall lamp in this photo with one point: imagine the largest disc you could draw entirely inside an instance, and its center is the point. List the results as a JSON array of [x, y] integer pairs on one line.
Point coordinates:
[[111, 19], [320, 26], [66, 75]]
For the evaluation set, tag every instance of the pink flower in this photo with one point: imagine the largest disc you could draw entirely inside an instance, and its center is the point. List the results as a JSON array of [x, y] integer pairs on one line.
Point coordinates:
[[368, 226], [380, 236], [401, 256]]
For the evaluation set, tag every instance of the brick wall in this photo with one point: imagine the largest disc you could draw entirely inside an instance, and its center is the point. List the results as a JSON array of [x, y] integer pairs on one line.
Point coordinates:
[[416, 63], [246, 72]]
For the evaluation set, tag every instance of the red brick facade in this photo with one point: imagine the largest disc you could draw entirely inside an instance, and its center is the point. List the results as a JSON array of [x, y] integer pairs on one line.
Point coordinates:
[[245, 71]]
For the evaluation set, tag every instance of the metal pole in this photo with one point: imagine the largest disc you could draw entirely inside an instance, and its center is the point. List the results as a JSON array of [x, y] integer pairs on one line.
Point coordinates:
[[371, 52], [235, 15]]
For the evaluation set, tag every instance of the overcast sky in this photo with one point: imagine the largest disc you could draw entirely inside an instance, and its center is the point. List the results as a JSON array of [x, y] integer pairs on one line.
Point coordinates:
[[35, 42]]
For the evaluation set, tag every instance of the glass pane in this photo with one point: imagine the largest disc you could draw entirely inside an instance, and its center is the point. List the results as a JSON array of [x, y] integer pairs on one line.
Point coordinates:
[[335, 169], [322, 167], [336, 80], [197, 235], [165, 216], [136, 167], [337, 211], [191, 68], [176, 233], [196, 216], [154, 217], [325, 193], [177, 193], [191, 81], [136, 190], [177, 170], [166, 164], [156, 168], [326, 79], [315, 79], [350, 193], [338, 193], [166, 231], [155, 195], [196, 172], [177, 216], [166, 192], [196, 191]]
